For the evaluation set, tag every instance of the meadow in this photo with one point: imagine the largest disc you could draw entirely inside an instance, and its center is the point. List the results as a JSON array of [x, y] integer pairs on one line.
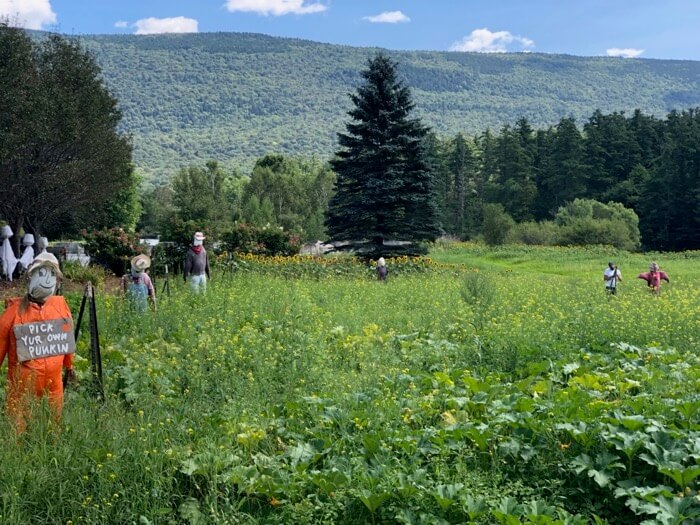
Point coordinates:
[[476, 386]]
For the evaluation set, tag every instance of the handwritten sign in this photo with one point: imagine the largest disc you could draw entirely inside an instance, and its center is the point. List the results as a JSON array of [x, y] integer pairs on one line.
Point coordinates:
[[44, 339]]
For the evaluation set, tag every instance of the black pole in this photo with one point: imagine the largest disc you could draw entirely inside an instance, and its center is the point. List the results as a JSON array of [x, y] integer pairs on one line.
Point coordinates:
[[166, 282], [80, 315], [95, 354]]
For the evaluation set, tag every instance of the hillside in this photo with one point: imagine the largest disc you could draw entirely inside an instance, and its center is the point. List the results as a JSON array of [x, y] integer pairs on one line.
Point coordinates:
[[234, 96]]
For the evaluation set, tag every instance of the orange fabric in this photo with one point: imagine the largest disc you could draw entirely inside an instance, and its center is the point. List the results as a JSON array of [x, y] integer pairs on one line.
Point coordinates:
[[36, 377]]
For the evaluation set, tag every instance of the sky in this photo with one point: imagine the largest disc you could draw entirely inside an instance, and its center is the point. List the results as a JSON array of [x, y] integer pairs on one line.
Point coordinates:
[[665, 29]]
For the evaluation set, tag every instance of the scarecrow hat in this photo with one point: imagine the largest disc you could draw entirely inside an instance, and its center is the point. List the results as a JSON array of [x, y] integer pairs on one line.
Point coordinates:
[[44, 259], [141, 262]]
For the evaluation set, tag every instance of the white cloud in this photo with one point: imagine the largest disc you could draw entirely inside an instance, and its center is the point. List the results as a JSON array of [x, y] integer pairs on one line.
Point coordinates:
[[485, 41], [275, 7], [178, 24], [388, 17], [627, 52], [121, 24], [31, 14]]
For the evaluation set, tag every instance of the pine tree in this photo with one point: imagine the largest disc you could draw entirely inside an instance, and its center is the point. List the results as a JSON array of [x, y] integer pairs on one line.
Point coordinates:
[[464, 200], [564, 178], [385, 187], [515, 187], [670, 216]]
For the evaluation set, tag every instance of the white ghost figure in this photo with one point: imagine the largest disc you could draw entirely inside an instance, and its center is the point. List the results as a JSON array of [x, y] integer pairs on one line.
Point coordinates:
[[28, 253], [9, 261], [41, 245]]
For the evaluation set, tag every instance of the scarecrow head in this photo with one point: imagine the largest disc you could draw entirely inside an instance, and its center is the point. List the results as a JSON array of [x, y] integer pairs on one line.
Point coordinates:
[[198, 239], [140, 264], [43, 273]]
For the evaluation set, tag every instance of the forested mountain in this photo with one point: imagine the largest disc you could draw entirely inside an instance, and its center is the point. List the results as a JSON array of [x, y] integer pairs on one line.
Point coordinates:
[[234, 97]]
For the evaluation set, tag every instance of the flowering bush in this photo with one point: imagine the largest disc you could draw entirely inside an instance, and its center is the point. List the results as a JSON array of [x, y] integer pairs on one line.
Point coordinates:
[[111, 248], [261, 241]]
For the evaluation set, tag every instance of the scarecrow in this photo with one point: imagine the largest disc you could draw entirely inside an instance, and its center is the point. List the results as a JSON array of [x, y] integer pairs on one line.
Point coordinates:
[[137, 285], [36, 335], [197, 264], [654, 277], [382, 270]]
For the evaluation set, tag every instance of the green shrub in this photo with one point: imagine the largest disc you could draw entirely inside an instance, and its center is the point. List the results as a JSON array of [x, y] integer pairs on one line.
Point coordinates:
[[112, 248], [586, 221], [497, 224], [478, 289], [76, 272], [261, 241], [545, 233]]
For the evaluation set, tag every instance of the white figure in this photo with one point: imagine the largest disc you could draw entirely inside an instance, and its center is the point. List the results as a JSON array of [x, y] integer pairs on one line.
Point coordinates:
[[9, 261], [28, 253], [41, 245]]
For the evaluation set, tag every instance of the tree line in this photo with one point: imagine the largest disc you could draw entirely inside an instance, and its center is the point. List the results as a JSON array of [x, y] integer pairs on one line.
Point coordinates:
[[647, 164], [66, 166]]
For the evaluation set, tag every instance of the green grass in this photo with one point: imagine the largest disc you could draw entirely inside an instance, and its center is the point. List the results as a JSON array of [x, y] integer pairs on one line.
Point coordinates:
[[503, 389]]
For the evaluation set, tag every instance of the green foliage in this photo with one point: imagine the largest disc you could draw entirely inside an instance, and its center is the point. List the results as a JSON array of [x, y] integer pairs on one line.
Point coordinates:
[[282, 398], [289, 95], [204, 195], [543, 233], [111, 248], [76, 272], [668, 207], [245, 238], [496, 224], [586, 221], [287, 192], [65, 165], [385, 189]]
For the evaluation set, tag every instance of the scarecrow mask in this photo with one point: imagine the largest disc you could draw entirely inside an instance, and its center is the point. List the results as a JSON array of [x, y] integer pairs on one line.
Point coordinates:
[[42, 283], [198, 239]]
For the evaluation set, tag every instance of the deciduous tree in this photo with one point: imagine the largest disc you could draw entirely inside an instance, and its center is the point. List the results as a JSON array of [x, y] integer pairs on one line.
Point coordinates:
[[62, 159]]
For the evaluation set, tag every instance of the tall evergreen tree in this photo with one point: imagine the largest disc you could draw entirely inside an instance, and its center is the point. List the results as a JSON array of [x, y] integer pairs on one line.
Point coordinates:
[[610, 153], [565, 176], [670, 215], [515, 187], [437, 153], [385, 188], [464, 199]]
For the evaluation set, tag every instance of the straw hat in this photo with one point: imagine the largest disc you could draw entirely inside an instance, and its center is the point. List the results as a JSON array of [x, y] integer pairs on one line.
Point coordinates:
[[44, 259], [141, 262]]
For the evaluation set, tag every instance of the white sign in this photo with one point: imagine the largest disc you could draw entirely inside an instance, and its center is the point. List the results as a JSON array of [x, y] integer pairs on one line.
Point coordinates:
[[44, 339]]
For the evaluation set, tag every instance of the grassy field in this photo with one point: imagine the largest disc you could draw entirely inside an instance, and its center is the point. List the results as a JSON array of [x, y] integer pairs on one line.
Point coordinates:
[[479, 386]]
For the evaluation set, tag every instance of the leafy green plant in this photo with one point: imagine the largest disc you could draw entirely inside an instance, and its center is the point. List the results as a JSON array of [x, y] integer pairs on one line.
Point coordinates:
[[111, 248], [76, 272], [261, 241]]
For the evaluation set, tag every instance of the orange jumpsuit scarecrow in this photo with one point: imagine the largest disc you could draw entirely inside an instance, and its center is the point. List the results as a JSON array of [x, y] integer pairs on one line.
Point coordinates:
[[36, 377]]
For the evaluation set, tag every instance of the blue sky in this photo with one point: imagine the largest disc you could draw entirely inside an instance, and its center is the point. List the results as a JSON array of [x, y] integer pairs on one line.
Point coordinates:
[[629, 28]]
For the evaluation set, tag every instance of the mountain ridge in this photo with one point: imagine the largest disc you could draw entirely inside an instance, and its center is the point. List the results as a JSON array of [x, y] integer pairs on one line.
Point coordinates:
[[233, 97]]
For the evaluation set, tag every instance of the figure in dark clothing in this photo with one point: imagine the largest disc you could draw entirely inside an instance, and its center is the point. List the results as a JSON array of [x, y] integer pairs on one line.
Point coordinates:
[[197, 265], [382, 270]]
